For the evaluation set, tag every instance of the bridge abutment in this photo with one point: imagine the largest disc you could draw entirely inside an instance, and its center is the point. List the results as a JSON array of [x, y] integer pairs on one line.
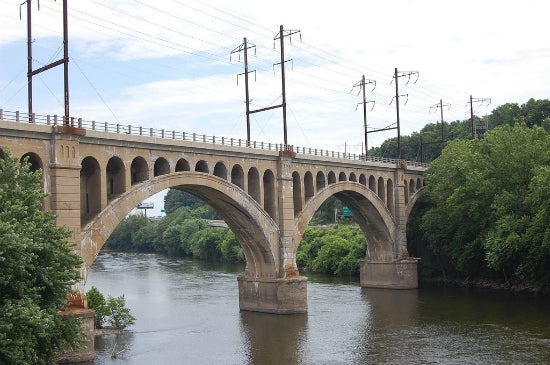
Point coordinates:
[[279, 295], [400, 274]]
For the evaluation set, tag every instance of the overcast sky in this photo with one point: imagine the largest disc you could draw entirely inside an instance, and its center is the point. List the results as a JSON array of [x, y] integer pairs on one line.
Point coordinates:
[[166, 64]]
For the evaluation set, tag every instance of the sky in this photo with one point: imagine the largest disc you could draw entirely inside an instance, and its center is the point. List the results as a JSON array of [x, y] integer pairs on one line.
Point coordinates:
[[170, 64]]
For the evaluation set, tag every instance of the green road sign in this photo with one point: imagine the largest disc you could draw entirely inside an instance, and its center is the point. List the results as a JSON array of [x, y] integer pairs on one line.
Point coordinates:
[[346, 212]]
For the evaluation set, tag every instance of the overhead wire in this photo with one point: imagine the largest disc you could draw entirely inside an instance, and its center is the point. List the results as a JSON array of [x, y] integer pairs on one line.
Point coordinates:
[[346, 68]]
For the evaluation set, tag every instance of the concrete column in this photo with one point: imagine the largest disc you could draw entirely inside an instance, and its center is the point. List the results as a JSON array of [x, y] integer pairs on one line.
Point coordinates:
[[286, 216], [65, 181], [399, 274], [86, 353], [65, 204], [288, 292], [402, 272], [400, 213], [279, 296]]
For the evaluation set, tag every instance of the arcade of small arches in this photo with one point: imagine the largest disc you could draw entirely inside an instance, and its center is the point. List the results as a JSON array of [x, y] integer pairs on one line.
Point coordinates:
[[260, 185]]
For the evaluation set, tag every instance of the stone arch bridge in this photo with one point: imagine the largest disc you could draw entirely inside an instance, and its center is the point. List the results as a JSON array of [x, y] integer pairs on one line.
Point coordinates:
[[96, 173]]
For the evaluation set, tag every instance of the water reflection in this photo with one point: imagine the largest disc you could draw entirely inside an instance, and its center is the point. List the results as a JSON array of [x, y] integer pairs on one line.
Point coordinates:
[[188, 313], [273, 339]]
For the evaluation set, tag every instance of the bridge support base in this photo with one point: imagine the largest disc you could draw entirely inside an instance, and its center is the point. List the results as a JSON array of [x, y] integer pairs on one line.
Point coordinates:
[[85, 354], [400, 274], [279, 296]]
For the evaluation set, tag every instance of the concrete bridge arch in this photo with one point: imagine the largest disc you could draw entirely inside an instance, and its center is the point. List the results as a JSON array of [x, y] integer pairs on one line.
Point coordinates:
[[253, 227], [372, 215]]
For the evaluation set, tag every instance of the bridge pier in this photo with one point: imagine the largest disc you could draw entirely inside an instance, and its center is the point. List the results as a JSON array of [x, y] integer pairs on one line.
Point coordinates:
[[279, 295], [399, 274]]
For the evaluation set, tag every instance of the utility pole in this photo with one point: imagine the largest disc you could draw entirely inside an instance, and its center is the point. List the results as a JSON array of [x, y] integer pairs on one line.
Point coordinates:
[[29, 56], [471, 102], [396, 77], [244, 47], [439, 106], [362, 85], [281, 35], [64, 61]]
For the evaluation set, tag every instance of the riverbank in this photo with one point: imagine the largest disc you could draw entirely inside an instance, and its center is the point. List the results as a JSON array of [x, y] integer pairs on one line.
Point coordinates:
[[109, 331], [485, 284]]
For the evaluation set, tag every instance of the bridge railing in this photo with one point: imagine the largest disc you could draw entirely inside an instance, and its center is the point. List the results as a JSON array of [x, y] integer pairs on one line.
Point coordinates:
[[118, 128]]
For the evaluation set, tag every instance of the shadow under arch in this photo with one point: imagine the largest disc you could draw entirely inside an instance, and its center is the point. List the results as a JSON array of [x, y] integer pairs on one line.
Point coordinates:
[[412, 200], [374, 219], [253, 227]]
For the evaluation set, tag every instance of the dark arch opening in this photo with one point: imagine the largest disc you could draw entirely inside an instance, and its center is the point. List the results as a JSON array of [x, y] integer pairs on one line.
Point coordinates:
[[182, 165], [297, 192], [389, 196], [34, 160], [308, 186], [372, 183], [116, 183], [381, 189], [90, 189], [269, 193], [202, 166], [139, 170], [254, 184], [320, 182], [331, 177], [237, 176], [220, 170], [161, 167]]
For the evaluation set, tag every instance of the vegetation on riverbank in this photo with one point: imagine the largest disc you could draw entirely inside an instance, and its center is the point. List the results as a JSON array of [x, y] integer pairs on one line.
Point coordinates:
[[110, 313], [37, 268], [487, 215]]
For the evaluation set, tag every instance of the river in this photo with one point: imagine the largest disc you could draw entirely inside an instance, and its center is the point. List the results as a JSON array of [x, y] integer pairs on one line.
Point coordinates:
[[187, 312]]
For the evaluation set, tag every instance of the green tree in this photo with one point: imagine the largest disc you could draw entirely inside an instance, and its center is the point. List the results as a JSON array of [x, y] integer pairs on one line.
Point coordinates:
[[175, 199], [37, 268], [335, 251], [118, 315], [485, 220], [97, 302], [122, 237]]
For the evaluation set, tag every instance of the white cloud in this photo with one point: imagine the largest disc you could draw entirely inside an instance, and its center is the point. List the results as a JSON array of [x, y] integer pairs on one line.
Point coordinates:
[[167, 65]]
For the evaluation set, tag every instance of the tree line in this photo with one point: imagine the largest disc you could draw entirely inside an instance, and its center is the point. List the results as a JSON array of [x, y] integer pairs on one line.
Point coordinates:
[[427, 144], [487, 209]]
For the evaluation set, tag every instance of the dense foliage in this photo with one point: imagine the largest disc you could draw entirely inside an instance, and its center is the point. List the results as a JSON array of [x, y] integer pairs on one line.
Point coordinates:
[[37, 268], [335, 251], [184, 232], [112, 310], [489, 216]]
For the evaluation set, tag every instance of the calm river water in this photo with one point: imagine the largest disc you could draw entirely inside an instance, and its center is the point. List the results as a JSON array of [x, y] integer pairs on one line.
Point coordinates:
[[187, 312]]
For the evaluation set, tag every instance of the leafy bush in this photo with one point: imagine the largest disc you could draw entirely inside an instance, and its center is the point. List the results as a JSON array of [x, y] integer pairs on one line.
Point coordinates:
[[118, 314], [96, 301], [112, 311]]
